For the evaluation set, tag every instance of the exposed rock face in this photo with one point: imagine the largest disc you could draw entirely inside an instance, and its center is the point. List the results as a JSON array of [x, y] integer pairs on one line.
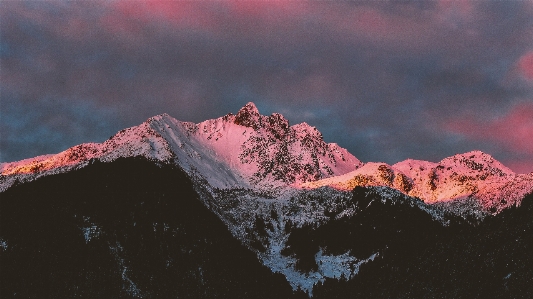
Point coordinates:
[[403, 183], [470, 176], [290, 153], [249, 116]]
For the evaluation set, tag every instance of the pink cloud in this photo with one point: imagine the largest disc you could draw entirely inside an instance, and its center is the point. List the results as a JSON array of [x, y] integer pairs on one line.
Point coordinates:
[[453, 10], [241, 19], [512, 131], [179, 13], [406, 26], [215, 17], [524, 165], [525, 65], [373, 24]]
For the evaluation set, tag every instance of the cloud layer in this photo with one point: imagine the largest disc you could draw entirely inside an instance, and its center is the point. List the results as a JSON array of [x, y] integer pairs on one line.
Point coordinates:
[[386, 80]]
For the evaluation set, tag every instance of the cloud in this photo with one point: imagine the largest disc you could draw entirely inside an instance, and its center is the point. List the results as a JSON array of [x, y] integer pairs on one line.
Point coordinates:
[[50, 125], [512, 131], [525, 65]]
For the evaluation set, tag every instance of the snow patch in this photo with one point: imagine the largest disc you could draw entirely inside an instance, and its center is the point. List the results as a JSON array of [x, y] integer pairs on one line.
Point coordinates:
[[129, 286]]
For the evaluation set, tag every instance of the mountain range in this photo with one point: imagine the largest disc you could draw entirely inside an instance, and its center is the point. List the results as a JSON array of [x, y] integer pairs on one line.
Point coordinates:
[[249, 206]]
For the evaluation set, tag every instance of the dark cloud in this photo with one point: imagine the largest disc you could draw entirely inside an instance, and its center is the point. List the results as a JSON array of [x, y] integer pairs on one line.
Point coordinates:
[[385, 79]]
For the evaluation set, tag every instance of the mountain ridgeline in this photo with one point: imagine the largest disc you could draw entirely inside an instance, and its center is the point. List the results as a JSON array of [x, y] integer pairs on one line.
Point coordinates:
[[249, 206]]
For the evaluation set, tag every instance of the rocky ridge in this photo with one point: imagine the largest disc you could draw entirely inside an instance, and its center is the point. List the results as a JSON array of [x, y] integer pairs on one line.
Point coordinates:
[[464, 177]]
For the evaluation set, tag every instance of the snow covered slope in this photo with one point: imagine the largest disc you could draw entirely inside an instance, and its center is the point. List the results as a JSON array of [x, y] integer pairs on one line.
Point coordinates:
[[244, 150], [142, 140], [473, 175]]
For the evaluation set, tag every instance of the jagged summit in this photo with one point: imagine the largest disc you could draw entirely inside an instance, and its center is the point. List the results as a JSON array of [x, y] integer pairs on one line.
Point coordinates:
[[249, 116], [250, 107], [268, 149]]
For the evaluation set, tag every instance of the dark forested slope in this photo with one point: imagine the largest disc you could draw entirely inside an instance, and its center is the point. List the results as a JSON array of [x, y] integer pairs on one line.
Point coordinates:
[[126, 229], [422, 260]]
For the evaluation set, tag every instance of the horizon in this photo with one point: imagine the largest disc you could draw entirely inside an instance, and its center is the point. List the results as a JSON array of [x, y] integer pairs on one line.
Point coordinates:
[[387, 81]]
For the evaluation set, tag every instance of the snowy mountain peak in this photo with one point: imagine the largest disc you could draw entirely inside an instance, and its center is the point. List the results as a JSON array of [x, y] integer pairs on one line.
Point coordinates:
[[249, 116], [477, 161], [250, 106], [304, 129]]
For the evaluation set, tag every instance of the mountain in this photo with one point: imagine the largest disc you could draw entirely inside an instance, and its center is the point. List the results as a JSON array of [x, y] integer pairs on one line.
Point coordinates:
[[247, 205]]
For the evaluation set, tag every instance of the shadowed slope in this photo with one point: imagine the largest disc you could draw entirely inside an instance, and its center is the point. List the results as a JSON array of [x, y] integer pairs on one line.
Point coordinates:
[[490, 260], [126, 229]]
